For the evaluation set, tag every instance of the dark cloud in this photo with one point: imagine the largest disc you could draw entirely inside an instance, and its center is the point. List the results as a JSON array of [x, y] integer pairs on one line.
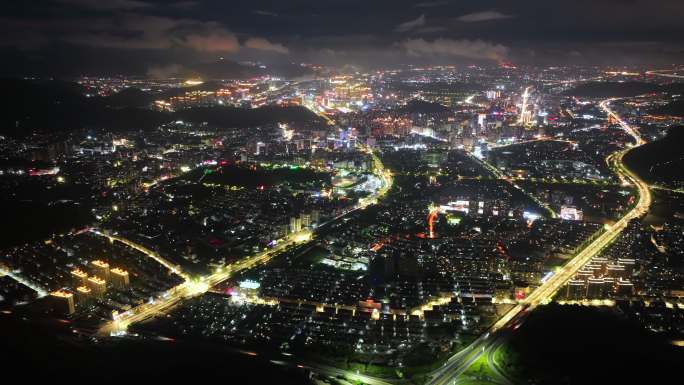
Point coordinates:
[[430, 4], [483, 16], [411, 24], [265, 13], [166, 71], [108, 4], [470, 49], [265, 45], [159, 33]]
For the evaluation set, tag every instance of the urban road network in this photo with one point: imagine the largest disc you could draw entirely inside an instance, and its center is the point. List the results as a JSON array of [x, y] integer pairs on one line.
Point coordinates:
[[192, 287], [456, 365], [488, 342]]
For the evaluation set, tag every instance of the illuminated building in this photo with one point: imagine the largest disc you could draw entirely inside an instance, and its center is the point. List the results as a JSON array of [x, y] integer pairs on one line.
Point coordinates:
[[608, 286], [493, 94], [584, 274], [63, 301], [624, 288], [306, 220], [576, 290], [119, 278], [79, 277], [315, 216], [283, 230], [97, 285], [595, 288], [571, 213], [101, 269], [83, 294], [616, 271], [628, 264], [260, 148], [295, 224]]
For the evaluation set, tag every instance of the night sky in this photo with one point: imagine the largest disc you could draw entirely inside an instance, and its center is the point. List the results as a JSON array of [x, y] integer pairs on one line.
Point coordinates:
[[71, 37]]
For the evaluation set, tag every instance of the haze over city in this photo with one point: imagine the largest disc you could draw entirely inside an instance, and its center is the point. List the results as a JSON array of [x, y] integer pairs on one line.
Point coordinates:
[[342, 192]]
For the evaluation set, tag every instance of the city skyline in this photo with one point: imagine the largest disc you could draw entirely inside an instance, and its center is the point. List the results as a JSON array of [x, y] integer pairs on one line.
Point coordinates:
[[342, 192]]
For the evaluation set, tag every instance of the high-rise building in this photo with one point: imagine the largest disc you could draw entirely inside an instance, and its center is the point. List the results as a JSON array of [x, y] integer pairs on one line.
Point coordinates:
[[119, 278], [628, 264], [571, 213], [295, 224], [306, 220], [595, 288], [260, 148], [624, 288], [527, 117], [83, 294], [608, 286], [576, 290], [481, 121], [63, 302], [315, 217], [97, 285], [79, 277], [101, 269], [616, 271], [598, 270], [584, 274], [283, 230]]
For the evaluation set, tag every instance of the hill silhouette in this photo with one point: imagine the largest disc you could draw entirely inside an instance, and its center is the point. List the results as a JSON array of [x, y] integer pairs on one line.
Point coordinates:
[[54, 105], [621, 89]]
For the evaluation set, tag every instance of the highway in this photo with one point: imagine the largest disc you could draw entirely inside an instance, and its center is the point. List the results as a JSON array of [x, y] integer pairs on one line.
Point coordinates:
[[499, 175], [193, 287], [491, 361], [665, 74], [544, 293]]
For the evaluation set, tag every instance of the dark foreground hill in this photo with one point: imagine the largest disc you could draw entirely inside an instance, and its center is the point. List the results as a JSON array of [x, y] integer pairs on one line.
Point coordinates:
[[49, 351], [583, 345], [662, 161]]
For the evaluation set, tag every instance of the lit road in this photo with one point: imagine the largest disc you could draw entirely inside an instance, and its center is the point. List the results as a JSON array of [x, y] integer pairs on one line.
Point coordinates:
[[665, 73], [39, 290], [499, 175], [544, 293], [332, 371], [540, 139], [194, 287], [491, 351], [152, 254]]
